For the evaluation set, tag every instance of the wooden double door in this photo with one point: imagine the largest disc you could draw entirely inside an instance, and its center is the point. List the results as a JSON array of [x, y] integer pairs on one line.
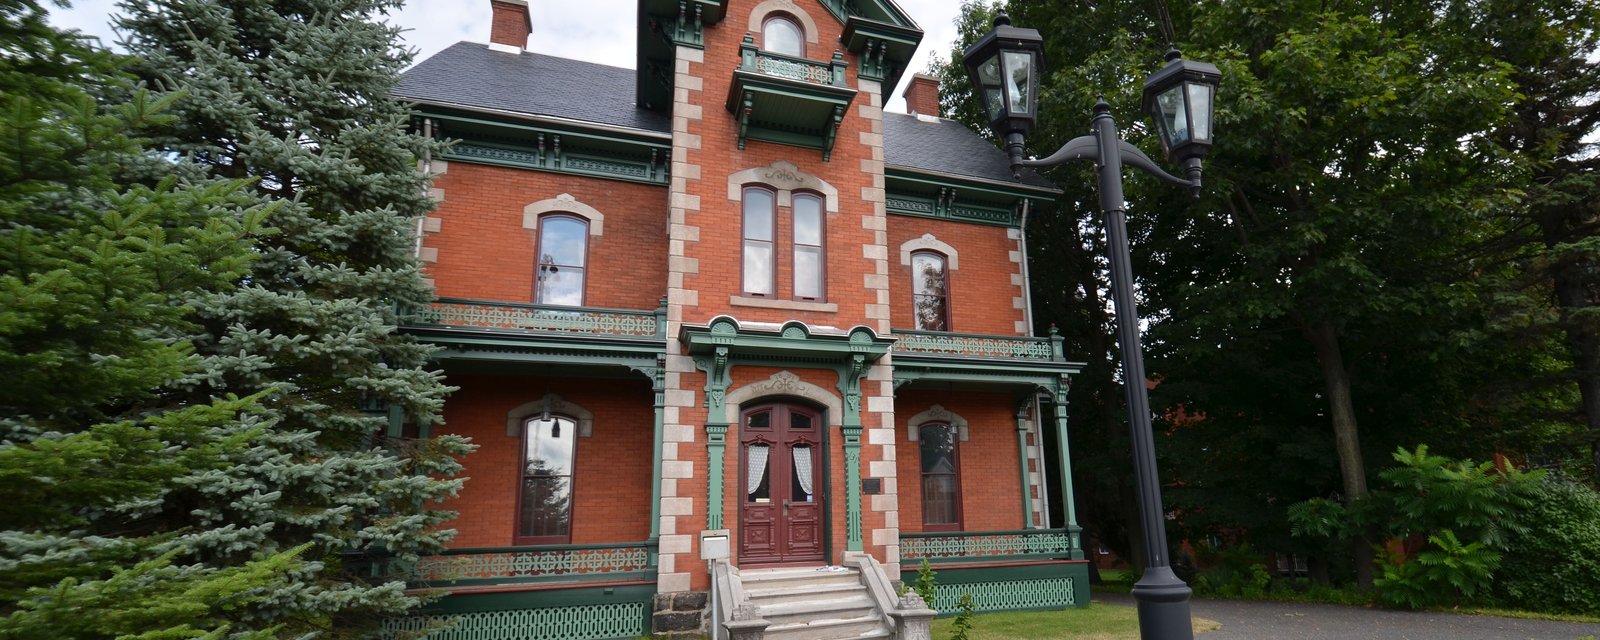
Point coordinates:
[[781, 504]]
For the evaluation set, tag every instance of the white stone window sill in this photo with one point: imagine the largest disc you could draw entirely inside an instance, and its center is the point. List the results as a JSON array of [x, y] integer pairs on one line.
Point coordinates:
[[789, 305]]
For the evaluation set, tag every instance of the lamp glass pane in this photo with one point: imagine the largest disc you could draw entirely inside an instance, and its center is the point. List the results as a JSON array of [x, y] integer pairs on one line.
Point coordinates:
[[989, 83], [1019, 80], [1174, 117], [1200, 109]]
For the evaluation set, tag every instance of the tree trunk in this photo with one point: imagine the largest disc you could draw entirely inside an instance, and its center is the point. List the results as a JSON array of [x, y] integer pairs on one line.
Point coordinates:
[[1572, 296], [1346, 438]]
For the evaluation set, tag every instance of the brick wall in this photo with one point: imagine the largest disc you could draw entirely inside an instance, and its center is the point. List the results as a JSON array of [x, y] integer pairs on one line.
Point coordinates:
[[483, 251], [985, 292], [990, 497], [611, 487]]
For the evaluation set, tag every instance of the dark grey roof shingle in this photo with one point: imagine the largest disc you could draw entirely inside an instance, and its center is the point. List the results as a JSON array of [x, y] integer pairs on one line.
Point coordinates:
[[947, 146], [470, 74]]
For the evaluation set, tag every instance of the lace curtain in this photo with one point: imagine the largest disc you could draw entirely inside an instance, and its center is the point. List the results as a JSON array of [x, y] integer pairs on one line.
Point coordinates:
[[802, 468], [757, 464]]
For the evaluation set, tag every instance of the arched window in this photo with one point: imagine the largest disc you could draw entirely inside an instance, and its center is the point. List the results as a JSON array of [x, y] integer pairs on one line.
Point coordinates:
[[544, 510], [941, 478], [808, 255], [759, 235], [780, 34], [562, 258], [930, 291]]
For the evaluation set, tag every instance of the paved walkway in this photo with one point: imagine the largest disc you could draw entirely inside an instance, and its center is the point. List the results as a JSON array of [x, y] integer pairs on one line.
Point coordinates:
[[1248, 620]]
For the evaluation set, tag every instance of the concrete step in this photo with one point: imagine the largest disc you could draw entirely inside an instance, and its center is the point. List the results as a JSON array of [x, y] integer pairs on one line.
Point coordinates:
[[850, 607], [767, 579], [830, 629], [794, 594]]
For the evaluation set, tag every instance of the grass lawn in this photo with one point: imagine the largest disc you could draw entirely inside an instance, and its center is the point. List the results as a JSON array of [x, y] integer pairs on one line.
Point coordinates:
[[1096, 622]]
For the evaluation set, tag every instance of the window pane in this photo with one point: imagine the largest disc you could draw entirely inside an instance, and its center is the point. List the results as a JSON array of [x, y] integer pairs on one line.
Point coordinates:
[[761, 420], [758, 267], [1018, 77], [758, 214], [559, 285], [808, 220], [1200, 99], [938, 448], [758, 473], [781, 36], [927, 274], [802, 480], [807, 272], [549, 447], [546, 506], [938, 499], [562, 241], [1173, 116], [799, 421], [930, 313]]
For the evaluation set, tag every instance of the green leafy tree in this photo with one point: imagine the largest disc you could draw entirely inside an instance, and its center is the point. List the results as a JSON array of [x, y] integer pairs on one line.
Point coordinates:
[[104, 248], [295, 95], [1552, 563]]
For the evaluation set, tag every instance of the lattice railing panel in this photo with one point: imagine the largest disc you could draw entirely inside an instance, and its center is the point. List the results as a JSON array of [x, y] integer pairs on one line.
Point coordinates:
[[583, 622], [490, 315], [1042, 593], [511, 565], [803, 71], [988, 544], [976, 346]]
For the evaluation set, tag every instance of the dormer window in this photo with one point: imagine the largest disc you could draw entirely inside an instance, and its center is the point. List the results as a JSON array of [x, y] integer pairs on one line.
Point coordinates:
[[782, 35]]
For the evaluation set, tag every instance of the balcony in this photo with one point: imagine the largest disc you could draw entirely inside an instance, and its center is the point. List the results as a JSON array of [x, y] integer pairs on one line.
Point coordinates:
[[489, 331], [1001, 570], [789, 100], [460, 569], [963, 345], [990, 546]]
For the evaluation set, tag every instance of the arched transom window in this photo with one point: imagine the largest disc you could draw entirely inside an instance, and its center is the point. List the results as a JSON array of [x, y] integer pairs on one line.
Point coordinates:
[[781, 34]]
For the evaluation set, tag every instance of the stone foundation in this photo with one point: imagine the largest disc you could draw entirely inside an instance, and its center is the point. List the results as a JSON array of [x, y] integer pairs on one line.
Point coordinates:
[[679, 615]]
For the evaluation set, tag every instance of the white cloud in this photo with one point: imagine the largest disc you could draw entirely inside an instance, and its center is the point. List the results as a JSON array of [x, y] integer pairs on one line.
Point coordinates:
[[560, 28]]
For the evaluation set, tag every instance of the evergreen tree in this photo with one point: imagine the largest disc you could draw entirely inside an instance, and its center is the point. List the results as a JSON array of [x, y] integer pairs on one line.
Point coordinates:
[[103, 249], [295, 96]]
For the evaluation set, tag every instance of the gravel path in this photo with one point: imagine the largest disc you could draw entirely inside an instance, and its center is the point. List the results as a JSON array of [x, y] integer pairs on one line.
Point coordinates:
[[1250, 620]]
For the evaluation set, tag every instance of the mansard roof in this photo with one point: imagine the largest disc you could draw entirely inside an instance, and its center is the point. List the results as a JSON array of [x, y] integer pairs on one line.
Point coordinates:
[[470, 75]]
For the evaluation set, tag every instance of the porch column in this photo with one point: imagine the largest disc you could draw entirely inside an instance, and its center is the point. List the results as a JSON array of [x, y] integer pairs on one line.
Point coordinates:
[[850, 386], [1070, 509], [658, 383], [717, 382], [1022, 462]]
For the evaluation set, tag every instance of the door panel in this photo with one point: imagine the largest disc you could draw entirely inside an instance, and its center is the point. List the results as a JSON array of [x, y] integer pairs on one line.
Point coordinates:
[[781, 512]]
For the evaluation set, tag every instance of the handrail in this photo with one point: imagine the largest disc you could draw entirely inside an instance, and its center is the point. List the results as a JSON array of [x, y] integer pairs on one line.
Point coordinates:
[[971, 345], [538, 318], [754, 60]]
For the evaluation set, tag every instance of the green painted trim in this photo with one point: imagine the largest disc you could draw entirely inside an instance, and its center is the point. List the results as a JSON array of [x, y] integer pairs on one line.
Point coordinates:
[[540, 598], [593, 165], [1011, 587], [1022, 462], [719, 376], [1068, 502], [942, 208], [911, 180], [883, 49], [658, 384], [793, 339], [878, 10]]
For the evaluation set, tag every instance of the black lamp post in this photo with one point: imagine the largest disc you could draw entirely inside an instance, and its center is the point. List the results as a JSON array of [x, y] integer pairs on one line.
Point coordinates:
[[1005, 67]]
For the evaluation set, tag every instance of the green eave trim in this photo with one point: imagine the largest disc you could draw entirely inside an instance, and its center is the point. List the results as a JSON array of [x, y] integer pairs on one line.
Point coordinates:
[[877, 10], [787, 111], [485, 346], [994, 191], [556, 149], [791, 340], [883, 49]]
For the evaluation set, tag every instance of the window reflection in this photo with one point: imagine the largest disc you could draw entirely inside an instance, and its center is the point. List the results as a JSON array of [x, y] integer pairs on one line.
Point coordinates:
[[547, 464], [563, 245], [782, 35], [930, 298], [940, 479]]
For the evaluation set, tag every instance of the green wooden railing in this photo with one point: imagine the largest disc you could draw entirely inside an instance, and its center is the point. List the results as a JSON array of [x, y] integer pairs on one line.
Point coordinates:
[[498, 565], [978, 346], [988, 546], [777, 65], [535, 318]]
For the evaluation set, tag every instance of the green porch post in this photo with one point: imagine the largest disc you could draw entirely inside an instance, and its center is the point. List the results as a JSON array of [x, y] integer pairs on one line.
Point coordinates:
[[850, 385], [1070, 508], [1022, 462], [717, 382], [658, 380]]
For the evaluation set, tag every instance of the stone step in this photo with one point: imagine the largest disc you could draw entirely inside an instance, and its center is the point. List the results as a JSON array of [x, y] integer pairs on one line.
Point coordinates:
[[766, 579], [830, 629], [793, 594], [854, 606]]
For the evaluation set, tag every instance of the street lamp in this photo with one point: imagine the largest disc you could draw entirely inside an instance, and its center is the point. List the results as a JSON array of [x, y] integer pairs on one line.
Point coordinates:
[[1005, 66]]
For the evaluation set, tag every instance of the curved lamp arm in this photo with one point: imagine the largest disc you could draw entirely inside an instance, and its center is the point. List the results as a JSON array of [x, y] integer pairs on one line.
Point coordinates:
[[1088, 148]]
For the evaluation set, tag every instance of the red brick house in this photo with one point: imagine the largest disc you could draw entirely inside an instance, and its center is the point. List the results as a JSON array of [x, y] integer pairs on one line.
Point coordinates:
[[727, 292]]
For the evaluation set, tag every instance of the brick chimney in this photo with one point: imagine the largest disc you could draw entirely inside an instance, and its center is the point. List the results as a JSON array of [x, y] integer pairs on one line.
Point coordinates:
[[922, 95], [511, 24]]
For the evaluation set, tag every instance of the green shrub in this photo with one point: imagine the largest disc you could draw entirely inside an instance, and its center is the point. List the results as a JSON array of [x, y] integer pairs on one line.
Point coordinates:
[[1554, 565], [963, 621], [1447, 571], [925, 583]]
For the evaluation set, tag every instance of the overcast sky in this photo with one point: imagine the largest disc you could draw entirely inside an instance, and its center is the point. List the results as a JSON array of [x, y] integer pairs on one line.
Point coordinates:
[[560, 27]]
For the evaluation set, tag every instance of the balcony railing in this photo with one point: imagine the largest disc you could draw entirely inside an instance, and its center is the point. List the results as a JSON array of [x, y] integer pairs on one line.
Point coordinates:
[[777, 65], [534, 318], [978, 346], [988, 546], [500, 565]]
